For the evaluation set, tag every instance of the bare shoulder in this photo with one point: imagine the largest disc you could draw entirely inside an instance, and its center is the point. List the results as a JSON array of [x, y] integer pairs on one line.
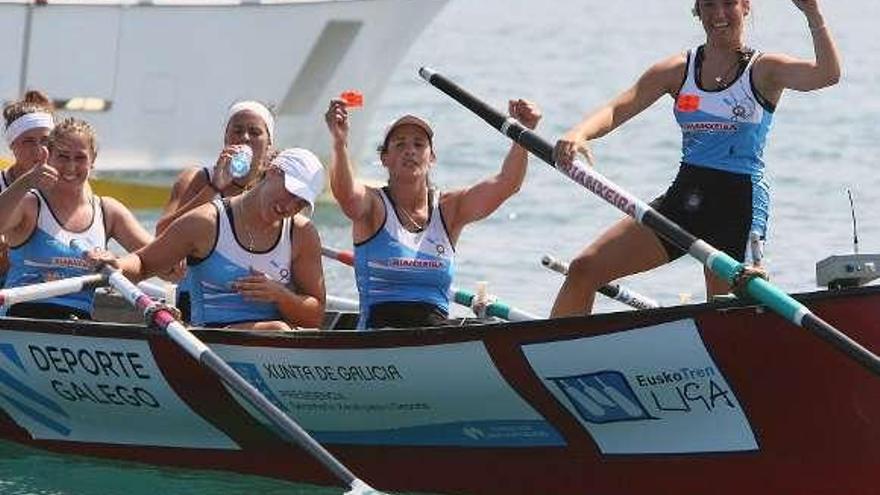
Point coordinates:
[[188, 182], [303, 223], [667, 73], [114, 208]]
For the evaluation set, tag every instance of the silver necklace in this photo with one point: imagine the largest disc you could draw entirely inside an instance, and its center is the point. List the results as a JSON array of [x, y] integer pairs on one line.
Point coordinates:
[[410, 219], [720, 78]]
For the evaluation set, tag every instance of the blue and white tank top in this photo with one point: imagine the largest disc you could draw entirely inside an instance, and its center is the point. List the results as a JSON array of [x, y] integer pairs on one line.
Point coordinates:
[[46, 255], [213, 298], [396, 265], [726, 129]]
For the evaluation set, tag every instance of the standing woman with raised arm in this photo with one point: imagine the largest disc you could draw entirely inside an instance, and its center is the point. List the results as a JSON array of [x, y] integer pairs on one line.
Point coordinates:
[[405, 233], [248, 123], [51, 205], [28, 123], [725, 97]]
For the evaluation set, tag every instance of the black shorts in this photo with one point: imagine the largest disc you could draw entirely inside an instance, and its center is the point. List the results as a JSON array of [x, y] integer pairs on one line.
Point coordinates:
[[713, 205], [405, 315]]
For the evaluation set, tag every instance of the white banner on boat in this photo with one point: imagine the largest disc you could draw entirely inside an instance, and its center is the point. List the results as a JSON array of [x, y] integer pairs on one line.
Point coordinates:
[[92, 389], [652, 390], [437, 395]]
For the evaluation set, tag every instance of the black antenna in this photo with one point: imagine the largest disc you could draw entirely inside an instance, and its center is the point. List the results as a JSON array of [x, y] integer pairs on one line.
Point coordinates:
[[852, 208]]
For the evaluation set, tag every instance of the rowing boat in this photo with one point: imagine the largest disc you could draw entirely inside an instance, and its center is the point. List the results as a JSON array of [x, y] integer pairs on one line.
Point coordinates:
[[723, 398]]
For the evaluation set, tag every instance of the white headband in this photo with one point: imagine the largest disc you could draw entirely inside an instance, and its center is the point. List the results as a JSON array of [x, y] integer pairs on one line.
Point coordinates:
[[257, 108], [28, 121]]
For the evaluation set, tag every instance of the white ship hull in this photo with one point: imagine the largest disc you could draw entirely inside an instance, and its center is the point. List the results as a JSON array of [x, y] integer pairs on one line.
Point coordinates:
[[167, 71]]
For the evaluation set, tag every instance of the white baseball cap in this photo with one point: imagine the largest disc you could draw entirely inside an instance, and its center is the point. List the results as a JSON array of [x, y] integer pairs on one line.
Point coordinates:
[[303, 173]]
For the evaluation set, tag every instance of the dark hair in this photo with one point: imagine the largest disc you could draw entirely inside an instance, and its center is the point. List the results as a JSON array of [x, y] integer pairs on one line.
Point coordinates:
[[34, 101], [73, 125]]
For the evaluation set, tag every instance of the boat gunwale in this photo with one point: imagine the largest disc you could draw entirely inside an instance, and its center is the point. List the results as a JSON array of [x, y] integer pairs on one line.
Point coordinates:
[[525, 332]]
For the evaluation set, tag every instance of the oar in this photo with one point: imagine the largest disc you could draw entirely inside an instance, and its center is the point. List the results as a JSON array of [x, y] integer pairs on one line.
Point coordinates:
[[165, 320], [614, 291], [496, 308], [721, 264], [45, 290]]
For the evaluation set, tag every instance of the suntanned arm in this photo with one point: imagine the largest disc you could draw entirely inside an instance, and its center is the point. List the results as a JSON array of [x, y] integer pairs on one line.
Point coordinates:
[[304, 307], [476, 202], [190, 191], [18, 209], [351, 194], [660, 79], [191, 235], [123, 226]]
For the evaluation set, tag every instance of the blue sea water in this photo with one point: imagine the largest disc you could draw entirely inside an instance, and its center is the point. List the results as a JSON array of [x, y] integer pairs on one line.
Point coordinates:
[[570, 56]]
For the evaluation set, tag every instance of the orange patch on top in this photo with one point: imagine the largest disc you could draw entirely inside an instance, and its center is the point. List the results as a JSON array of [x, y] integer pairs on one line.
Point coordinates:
[[687, 103]]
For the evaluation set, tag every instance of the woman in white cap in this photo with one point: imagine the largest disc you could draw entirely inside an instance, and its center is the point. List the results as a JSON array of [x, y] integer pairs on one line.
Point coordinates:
[[255, 261], [28, 123], [248, 124], [405, 233], [51, 205]]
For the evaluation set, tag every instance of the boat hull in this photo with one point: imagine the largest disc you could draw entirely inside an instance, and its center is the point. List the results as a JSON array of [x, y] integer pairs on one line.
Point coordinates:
[[720, 398]]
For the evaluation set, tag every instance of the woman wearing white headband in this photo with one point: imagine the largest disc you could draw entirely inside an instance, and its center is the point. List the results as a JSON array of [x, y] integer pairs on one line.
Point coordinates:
[[51, 205], [247, 123], [28, 123]]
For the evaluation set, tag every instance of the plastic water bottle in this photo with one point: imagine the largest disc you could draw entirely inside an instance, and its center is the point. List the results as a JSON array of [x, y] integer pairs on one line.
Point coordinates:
[[240, 164]]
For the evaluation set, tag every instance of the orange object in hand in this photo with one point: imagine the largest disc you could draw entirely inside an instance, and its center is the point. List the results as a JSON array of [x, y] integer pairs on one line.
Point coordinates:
[[352, 98]]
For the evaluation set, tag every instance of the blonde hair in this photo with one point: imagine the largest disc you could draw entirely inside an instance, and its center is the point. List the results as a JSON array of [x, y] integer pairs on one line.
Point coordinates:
[[73, 125]]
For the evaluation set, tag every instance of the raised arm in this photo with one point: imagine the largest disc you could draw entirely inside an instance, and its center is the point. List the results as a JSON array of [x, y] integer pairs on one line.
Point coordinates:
[[662, 78], [481, 199], [15, 203], [352, 195], [782, 71], [192, 189]]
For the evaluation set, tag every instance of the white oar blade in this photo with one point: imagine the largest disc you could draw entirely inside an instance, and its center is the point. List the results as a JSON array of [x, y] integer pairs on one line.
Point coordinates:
[[358, 487]]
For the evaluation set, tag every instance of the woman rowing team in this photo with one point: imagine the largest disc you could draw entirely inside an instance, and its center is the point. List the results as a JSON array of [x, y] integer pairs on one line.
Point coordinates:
[[251, 259]]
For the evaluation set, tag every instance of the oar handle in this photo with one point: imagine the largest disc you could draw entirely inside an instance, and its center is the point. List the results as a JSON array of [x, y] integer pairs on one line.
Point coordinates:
[[166, 321], [614, 291], [345, 257], [45, 290], [496, 308], [716, 261]]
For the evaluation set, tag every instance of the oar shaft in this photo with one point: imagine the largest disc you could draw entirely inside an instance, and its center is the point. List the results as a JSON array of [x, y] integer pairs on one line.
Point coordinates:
[[614, 291], [45, 290], [718, 262], [178, 333], [496, 308]]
